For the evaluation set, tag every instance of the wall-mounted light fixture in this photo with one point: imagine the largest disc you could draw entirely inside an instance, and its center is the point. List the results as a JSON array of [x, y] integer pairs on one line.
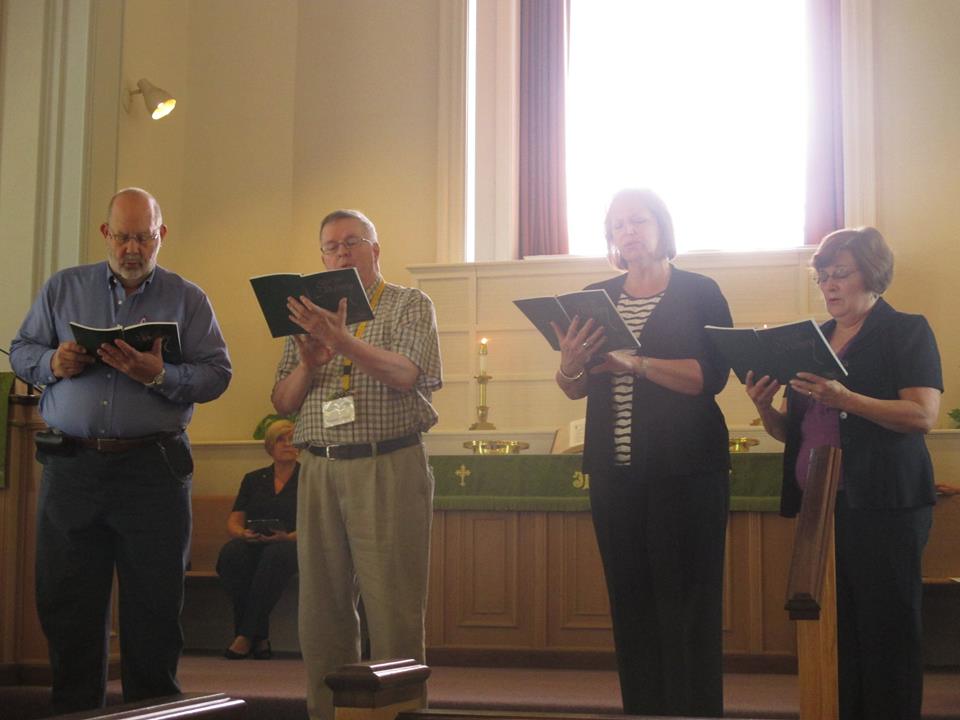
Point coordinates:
[[159, 102]]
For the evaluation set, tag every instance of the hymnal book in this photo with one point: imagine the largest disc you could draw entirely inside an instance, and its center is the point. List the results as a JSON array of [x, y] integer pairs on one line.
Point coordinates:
[[265, 526], [592, 304], [323, 288], [139, 336], [780, 351]]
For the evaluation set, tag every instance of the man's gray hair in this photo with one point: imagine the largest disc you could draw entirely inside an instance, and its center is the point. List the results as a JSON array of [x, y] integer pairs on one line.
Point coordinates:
[[351, 215]]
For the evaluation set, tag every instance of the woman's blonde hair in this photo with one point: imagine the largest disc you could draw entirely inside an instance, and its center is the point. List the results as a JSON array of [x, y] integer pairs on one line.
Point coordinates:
[[275, 431]]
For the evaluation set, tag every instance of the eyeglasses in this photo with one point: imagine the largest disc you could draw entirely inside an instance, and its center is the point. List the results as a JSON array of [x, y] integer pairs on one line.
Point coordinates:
[[143, 238], [331, 247], [838, 275]]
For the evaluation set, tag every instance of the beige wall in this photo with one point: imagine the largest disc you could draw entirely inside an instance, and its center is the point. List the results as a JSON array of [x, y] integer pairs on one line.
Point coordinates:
[[917, 48], [285, 111]]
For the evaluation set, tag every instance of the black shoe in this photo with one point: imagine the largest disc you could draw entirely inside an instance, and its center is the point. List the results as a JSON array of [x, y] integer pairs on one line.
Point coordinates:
[[234, 655], [264, 653]]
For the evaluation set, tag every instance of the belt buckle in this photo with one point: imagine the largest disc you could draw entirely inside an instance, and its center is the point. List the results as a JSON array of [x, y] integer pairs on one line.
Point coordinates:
[[330, 450]]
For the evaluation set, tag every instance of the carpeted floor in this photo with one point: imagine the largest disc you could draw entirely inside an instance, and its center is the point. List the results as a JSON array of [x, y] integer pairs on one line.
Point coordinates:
[[274, 689]]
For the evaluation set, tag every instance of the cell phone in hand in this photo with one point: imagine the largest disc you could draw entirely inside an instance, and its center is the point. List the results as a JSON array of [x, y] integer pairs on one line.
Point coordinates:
[[265, 526]]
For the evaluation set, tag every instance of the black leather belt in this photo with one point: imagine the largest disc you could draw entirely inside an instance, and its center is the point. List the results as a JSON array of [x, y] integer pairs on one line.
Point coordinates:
[[362, 450], [119, 445]]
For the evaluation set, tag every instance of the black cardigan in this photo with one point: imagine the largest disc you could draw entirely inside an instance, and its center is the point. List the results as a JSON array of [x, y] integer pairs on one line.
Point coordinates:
[[672, 433], [881, 468]]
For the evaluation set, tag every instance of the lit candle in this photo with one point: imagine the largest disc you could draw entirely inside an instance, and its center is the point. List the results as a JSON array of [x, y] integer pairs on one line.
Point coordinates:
[[483, 356]]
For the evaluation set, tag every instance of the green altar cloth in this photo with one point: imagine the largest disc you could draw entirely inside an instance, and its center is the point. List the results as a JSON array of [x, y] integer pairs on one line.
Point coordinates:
[[555, 482]]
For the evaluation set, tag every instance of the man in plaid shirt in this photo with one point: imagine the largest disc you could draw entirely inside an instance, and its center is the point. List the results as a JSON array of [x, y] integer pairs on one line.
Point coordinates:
[[365, 498]]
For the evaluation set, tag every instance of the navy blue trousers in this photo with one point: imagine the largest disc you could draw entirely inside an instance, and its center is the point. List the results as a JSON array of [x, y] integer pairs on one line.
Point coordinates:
[[255, 574], [879, 592], [662, 541], [99, 513]]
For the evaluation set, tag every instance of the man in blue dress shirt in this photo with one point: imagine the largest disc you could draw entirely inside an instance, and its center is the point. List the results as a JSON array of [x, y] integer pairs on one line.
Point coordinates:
[[115, 493]]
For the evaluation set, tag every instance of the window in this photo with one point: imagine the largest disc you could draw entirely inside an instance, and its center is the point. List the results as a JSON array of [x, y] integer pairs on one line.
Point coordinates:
[[701, 101]]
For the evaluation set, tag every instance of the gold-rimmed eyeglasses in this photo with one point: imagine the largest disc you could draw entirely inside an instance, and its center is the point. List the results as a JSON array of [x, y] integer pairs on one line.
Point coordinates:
[[142, 238], [839, 275], [332, 246]]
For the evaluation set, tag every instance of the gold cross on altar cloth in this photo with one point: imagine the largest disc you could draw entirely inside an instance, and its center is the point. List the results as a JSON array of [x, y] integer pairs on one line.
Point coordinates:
[[462, 473]]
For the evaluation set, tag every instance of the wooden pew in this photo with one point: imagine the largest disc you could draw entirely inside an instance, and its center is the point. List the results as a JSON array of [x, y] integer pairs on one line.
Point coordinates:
[[811, 589], [210, 514], [202, 706], [377, 690]]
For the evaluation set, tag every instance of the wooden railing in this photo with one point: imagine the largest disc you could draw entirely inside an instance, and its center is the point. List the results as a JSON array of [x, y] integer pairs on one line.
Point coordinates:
[[811, 588], [378, 690], [193, 706]]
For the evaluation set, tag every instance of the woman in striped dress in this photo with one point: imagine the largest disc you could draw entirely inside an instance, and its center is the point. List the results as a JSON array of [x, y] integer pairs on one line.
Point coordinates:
[[656, 450]]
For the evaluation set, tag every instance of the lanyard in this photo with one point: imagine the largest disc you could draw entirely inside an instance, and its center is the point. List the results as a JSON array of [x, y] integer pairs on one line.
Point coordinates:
[[346, 369]]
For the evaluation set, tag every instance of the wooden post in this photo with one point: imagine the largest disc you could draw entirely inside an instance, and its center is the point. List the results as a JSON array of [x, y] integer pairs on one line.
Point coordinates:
[[377, 690], [812, 589], [817, 652]]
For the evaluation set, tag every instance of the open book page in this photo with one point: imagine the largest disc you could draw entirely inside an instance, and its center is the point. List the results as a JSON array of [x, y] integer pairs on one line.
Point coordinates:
[[541, 311], [597, 306], [780, 351], [140, 336], [324, 289]]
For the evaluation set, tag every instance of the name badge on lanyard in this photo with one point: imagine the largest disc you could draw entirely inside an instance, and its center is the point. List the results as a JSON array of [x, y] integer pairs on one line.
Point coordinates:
[[341, 409]]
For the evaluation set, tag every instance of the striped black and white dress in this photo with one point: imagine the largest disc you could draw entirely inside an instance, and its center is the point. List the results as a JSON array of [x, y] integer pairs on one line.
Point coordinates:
[[634, 312]]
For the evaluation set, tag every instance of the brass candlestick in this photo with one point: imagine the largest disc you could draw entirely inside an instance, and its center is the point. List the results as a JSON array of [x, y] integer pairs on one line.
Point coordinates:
[[482, 407]]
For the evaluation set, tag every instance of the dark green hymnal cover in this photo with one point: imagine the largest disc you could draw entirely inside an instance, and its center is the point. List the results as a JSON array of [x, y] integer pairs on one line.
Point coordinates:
[[780, 351], [592, 304], [323, 288], [139, 336]]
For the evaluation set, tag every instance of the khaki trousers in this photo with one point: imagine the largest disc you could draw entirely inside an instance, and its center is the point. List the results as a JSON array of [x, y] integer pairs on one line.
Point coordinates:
[[363, 528]]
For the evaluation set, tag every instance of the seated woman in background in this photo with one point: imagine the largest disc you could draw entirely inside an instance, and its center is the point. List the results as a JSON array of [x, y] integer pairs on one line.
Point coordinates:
[[256, 565], [878, 415]]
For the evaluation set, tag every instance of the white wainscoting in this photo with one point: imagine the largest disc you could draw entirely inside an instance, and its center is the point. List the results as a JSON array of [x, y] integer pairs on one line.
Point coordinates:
[[474, 300]]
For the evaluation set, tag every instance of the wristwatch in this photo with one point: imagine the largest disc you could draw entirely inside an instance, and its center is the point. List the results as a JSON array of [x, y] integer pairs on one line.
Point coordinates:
[[158, 380]]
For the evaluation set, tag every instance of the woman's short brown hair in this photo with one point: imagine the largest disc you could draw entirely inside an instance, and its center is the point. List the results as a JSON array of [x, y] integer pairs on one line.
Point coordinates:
[[276, 430], [870, 251], [667, 246]]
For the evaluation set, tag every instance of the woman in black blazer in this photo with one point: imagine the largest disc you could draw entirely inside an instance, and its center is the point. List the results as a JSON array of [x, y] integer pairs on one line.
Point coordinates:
[[656, 450], [878, 415]]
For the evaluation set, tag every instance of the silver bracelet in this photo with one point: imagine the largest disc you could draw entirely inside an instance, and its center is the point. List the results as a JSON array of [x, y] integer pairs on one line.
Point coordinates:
[[570, 378]]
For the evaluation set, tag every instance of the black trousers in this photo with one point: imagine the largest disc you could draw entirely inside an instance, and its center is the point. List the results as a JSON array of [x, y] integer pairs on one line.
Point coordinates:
[[255, 574], [99, 513], [879, 592], [662, 540]]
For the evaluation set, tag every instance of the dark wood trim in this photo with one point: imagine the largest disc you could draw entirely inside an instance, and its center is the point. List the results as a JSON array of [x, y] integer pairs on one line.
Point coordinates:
[[775, 663], [377, 684], [189, 705], [814, 531]]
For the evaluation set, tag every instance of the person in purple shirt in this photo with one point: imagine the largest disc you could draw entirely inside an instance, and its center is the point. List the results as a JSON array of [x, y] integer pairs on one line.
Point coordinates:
[[878, 415], [117, 466]]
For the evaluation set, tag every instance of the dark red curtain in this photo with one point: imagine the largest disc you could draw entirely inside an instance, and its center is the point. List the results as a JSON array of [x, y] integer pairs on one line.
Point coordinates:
[[824, 201], [542, 179]]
